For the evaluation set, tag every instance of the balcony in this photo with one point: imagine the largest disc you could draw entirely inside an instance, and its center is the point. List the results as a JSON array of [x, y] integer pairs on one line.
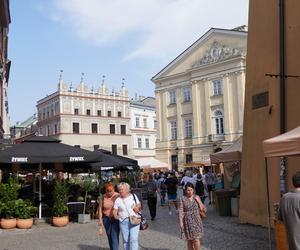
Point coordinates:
[[215, 137]]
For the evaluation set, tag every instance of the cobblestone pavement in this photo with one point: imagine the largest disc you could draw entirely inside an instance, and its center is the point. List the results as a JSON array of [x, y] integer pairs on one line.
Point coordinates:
[[163, 233]]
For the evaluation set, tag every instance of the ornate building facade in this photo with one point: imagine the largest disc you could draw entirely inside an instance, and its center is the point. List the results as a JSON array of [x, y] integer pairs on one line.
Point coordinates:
[[4, 68], [200, 98], [87, 118], [143, 127]]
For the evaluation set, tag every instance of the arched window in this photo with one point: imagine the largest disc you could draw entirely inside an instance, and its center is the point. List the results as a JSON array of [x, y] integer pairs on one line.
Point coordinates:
[[219, 120]]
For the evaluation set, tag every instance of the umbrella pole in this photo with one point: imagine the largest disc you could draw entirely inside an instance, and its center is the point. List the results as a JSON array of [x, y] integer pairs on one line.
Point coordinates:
[[40, 191], [268, 203]]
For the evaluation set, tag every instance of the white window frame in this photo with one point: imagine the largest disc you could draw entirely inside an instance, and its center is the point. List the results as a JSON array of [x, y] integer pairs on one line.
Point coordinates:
[[188, 125], [173, 127], [139, 141], [147, 143], [145, 122], [172, 96], [137, 122], [187, 94], [219, 122], [217, 87]]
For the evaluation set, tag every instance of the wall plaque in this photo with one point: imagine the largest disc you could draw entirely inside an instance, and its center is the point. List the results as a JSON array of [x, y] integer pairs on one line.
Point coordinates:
[[260, 100]]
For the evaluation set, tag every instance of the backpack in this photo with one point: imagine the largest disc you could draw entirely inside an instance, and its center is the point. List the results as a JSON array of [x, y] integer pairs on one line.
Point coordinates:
[[199, 188], [150, 190], [163, 185]]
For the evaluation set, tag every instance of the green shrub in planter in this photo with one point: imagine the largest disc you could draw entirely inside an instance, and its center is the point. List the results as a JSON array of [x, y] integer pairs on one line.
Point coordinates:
[[9, 191], [60, 199], [7, 209], [24, 209], [87, 185]]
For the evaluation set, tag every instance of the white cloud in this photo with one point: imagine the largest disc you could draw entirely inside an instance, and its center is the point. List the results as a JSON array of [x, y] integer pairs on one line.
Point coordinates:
[[161, 27]]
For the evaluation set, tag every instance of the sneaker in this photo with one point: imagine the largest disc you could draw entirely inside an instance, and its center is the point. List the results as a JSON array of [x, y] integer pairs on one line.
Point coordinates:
[[170, 212]]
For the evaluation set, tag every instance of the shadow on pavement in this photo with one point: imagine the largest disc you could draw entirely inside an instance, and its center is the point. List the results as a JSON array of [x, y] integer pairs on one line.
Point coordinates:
[[89, 247]]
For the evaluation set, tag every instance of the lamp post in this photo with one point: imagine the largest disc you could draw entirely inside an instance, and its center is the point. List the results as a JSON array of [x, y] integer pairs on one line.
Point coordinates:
[[176, 151]]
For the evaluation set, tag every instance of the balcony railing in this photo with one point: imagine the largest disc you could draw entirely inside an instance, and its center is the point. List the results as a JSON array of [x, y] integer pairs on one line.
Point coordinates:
[[215, 137]]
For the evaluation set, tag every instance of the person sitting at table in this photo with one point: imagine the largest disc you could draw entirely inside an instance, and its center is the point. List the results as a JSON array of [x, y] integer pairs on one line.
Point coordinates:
[[105, 212]]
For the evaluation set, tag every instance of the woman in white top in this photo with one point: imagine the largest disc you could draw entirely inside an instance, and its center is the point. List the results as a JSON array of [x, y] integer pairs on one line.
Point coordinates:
[[127, 205]]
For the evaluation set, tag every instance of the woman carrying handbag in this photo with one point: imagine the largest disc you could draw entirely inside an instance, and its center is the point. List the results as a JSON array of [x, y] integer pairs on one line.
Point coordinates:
[[126, 210], [191, 209]]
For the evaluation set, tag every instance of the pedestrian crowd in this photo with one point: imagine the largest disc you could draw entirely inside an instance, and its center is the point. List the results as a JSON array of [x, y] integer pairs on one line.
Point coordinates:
[[121, 212]]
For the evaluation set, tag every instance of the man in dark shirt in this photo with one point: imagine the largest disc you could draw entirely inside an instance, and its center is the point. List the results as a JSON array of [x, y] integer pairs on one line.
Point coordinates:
[[289, 213], [172, 183]]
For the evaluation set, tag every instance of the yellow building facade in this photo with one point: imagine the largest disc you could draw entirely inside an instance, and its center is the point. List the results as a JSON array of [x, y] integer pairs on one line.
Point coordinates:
[[200, 98]]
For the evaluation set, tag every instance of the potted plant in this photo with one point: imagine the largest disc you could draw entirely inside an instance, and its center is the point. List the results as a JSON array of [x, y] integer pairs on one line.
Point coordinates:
[[87, 185], [24, 212], [8, 197], [60, 209]]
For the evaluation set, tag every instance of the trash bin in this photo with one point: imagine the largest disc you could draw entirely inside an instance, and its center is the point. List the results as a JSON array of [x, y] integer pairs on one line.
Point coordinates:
[[224, 200]]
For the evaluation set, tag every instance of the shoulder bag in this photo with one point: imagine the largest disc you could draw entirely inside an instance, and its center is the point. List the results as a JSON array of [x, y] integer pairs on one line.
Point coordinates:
[[134, 220], [202, 213]]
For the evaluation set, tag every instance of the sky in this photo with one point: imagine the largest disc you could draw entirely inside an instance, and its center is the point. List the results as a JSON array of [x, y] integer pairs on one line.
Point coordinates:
[[131, 39]]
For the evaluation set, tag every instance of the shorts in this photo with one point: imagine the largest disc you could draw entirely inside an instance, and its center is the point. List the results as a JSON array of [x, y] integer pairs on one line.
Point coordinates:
[[172, 197], [210, 187]]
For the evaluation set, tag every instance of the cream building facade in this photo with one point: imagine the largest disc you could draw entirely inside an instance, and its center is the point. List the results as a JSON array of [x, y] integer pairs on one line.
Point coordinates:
[[87, 118], [200, 98], [143, 127]]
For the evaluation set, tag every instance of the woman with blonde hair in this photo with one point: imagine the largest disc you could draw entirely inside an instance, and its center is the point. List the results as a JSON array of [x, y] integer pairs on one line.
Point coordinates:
[[126, 206], [106, 217]]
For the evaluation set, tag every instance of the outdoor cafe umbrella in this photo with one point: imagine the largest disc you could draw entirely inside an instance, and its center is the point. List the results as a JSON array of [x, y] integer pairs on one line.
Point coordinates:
[[43, 150], [113, 162]]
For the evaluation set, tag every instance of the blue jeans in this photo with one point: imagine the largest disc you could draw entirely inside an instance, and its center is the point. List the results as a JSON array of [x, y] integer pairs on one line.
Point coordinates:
[[112, 229], [130, 235]]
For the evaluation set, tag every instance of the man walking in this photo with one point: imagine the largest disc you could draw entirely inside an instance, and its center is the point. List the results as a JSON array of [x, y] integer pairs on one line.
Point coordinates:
[[151, 188], [289, 213], [172, 183]]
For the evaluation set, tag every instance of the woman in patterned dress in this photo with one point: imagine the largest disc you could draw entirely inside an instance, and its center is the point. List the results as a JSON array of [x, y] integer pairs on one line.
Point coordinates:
[[190, 222]]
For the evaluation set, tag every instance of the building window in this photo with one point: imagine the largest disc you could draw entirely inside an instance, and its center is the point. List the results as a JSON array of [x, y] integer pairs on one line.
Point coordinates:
[[109, 113], [112, 128], [188, 129], [145, 122], [55, 128], [172, 95], [114, 150], [99, 112], [77, 146], [173, 130], [123, 129], [137, 122], [147, 142], [187, 95], [139, 142], [94, 128], [76, 111], [48, 130], [88, 112], [219, 120], [155, 124], [96, 147], [188, 158], [125, 150], [217, 84], [119, 114], [75, 128]]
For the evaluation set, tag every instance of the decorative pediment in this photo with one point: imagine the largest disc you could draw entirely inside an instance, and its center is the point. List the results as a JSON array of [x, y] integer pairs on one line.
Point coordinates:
[[216, 53]]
